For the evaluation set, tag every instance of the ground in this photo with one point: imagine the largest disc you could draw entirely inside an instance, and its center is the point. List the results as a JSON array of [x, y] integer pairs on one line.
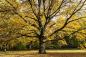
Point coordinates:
[[50, 53]]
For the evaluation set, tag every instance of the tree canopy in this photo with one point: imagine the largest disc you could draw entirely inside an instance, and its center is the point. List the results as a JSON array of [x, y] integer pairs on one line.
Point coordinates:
[[44, 20]]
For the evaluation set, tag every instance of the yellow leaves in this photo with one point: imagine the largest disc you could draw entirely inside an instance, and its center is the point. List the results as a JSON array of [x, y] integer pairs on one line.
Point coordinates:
[[13, 42], [74, 24], [13, 2], [26, 39], [80, 36], [84, 44], [17, 20], [24, 8], [64, 11], [62, 42], [81, 46], [43, 19], [55, 5], [60, 20]]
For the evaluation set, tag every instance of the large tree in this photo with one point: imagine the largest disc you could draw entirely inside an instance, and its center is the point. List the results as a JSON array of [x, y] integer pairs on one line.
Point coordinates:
[[42, 14]]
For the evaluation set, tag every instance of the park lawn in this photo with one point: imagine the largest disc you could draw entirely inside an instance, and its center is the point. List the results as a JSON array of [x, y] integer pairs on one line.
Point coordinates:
[[50, 53]]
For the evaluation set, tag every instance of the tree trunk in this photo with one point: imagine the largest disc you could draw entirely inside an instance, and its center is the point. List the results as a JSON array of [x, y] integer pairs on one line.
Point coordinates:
[[42, 48], [4, 48]]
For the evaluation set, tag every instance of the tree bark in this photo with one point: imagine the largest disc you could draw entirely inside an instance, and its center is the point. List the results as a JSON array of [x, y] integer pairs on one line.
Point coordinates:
[[42, 48]]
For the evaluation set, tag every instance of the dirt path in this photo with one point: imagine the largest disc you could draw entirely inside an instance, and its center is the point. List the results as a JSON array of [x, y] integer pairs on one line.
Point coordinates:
[[51, 53]]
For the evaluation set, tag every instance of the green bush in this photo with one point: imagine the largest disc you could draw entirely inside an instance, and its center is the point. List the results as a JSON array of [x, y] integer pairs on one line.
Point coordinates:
[[52, 45], [20, 46], [36, 45]]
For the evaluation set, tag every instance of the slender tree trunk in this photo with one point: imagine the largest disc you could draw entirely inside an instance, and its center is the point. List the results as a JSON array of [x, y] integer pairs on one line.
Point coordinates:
[[42, 48], [4, 48]]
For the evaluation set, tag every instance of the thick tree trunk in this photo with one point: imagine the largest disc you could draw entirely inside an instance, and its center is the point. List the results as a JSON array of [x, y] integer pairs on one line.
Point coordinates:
[[42, 48]]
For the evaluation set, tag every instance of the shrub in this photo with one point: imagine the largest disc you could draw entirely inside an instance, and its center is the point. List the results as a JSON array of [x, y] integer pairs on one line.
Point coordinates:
[[20, 46]]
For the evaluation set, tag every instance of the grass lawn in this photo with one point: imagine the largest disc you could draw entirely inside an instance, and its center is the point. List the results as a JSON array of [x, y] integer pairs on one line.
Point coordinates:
[[50, 53]]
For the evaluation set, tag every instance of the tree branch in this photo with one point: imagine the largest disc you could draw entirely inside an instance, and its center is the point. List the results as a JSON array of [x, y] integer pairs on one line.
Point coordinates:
[[74, 12]]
